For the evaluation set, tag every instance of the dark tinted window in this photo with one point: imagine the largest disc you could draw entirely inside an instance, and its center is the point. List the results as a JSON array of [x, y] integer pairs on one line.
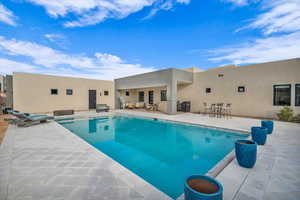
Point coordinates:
[[141, 96], [282, 95], [106, 93], [241, 89], [208, 90], [163, 95], [127, 93], [54, 91], [69, 92], [297, 94]]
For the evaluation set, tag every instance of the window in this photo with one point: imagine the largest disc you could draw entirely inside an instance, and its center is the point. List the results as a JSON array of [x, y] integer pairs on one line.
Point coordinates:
[[297, 95], [208, 90], [163, 95], [106, 93], [127, 93], [282, 95], [54, 91], [141, 96], [241, 89], [69, 91]]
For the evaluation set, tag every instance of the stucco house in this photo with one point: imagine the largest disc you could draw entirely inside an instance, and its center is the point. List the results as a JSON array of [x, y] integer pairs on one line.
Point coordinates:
[[258, 90]]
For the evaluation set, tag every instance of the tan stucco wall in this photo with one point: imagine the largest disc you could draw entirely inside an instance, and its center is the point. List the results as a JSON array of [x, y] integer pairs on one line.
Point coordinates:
[[258, 80], [132, 98], [32, 92]]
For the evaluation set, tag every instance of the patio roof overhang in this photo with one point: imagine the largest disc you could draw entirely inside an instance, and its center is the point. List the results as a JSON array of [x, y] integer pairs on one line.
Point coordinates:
[[159, 78], [169, 78]]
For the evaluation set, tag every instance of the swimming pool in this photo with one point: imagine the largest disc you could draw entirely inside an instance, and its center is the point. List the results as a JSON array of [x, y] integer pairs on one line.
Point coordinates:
[[162, 153]]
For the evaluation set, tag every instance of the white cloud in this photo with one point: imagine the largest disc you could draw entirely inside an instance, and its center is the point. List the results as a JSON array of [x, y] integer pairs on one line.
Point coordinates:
[[58, 39], [9, 66], [279, 23], [183, 1], [6, 16], [43, 55], [261, 50], [278, 16], [53, 37], [164, 5], [237, 2], [90, 12], [48, 60], [168, 5]]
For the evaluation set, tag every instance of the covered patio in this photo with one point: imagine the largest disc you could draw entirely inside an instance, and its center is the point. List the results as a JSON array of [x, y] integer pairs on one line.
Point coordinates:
[[158, 89]]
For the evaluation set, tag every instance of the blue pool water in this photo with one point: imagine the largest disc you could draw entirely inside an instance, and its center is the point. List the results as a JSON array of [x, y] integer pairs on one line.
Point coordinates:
[[160, 152]]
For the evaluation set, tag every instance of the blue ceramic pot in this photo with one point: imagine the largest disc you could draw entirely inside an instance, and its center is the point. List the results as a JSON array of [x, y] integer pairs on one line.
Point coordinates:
[[245, 152], [191, 194], [259, 134], [269, 125]]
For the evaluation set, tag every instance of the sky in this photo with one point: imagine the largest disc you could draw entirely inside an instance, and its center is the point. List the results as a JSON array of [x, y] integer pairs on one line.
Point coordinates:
[[108, 39]]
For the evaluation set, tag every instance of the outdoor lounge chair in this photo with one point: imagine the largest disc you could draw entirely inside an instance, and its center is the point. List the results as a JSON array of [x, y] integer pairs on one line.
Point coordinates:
[[26, 119], [29, 120], [102, 108]]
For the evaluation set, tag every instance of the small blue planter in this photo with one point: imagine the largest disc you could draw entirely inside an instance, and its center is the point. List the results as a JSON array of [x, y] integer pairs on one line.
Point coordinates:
[[259, 134], [245, 151], [269, 125], [191, 194]]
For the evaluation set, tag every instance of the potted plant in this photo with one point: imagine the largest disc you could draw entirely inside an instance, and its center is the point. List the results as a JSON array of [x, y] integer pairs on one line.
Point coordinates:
[[245, 151], [269, 125], [201, 187], [259, 134]]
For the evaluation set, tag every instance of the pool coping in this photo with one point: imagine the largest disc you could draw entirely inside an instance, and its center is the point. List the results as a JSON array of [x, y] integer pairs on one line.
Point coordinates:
[[213, 172]]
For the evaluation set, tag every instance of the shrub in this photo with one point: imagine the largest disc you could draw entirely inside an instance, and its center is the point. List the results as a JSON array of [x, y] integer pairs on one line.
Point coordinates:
[[297, 118], [286, 114]]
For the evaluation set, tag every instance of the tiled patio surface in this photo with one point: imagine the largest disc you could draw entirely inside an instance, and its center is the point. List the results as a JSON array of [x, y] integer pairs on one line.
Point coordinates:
[[48, 162]]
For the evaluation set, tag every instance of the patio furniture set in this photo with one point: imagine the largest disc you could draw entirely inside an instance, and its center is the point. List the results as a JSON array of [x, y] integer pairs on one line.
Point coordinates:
[[151, 107], [184, 106], [218, 109]]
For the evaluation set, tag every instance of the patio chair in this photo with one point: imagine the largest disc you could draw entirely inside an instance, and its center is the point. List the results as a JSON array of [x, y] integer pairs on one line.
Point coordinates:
[[29, 120], [219, 109], [150, 107], [102, 108], [206, 108], [17, 116], [12, 120], [227, 110], [212, 109], [26, 119]]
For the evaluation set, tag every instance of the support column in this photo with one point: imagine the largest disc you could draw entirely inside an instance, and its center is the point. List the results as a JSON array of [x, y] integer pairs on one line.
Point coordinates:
[[172, 97], [117, 99]]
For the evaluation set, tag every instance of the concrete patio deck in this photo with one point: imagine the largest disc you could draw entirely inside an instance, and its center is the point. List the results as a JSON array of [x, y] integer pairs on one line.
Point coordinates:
[[49, 162]]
